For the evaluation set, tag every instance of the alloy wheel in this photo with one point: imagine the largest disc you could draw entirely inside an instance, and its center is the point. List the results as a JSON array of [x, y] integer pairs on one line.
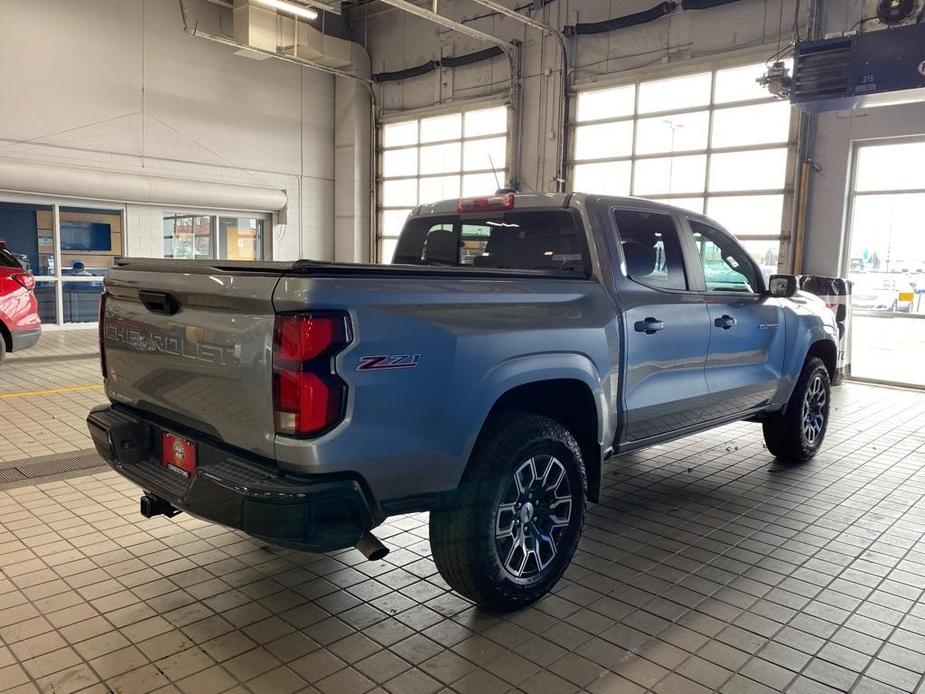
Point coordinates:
[[814, 406], [532, 516]]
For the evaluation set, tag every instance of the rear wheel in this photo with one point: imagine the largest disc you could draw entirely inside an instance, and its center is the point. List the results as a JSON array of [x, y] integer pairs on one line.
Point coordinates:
[[2, 346], [797, 433], [518, 515]]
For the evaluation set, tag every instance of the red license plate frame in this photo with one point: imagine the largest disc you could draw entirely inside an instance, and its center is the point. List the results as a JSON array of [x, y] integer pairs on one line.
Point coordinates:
[[178, 454]]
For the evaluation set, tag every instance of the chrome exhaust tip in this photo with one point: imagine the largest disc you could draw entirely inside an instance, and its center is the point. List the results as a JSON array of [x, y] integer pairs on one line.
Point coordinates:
[[371, 548]]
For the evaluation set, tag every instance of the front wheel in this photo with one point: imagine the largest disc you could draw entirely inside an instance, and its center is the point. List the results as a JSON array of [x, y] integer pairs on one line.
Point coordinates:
[[518, 515], [797, 433]]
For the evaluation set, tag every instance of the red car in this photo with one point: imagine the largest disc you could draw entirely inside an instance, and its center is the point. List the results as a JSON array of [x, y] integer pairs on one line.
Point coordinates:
[[20, 325]]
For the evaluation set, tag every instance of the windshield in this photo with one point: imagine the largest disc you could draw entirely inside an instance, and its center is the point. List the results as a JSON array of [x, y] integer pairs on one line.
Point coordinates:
[[509, 240]]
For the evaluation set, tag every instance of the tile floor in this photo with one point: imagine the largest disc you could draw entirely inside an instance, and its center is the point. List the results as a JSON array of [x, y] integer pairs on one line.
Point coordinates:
[[707, 567], [45, 393]]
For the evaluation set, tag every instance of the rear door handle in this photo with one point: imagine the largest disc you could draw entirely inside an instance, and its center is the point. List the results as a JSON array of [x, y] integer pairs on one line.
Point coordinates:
[[725, 322], [159, 302], [649, 326]]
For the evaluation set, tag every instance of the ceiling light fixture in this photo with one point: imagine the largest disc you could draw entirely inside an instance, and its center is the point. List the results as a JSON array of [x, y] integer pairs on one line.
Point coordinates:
[[291, 8]]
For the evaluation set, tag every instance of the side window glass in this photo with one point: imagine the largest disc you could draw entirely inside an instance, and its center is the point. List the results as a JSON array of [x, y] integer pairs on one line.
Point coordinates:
[[651, 249], [726, 266]]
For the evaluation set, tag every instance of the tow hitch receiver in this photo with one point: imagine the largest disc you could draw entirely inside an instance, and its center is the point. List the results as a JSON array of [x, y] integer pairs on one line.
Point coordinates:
[[156, 506]]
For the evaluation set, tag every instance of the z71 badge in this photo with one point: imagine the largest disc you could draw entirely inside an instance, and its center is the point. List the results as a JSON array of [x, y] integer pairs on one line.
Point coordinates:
[[388, 361]]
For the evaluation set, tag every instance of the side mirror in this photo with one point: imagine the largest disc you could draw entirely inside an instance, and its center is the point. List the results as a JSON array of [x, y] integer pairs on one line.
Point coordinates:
[[782, 286]]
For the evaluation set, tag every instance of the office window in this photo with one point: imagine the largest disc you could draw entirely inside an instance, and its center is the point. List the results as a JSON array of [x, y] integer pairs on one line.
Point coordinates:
[[194, 236], [436, 158], [713, 142]]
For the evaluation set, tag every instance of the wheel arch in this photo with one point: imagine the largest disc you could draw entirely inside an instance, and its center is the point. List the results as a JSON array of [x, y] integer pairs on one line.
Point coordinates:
[[6, 336], [827, 351], [567, 400]]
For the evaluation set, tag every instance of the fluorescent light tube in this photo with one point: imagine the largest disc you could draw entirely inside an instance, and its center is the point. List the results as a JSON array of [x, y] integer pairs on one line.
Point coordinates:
[[291, 8]]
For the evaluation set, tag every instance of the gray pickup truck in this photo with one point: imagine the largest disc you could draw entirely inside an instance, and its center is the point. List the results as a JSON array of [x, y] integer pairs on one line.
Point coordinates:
[[516, 342]]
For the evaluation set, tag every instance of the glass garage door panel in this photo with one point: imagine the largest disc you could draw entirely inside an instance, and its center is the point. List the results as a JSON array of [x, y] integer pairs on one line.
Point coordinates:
[[886, 264]]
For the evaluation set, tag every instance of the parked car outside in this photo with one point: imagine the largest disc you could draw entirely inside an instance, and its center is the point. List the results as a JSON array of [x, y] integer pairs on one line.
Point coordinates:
[[20, 325]]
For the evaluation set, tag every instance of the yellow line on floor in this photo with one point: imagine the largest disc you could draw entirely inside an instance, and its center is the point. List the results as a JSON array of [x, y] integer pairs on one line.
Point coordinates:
[[51, 391]]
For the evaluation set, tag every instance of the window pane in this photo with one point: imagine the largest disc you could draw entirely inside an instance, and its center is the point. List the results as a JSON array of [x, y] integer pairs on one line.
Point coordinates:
[[748, 214], [678, 133], [393, 221], [400, 162], [692, 204], [387, 250], [651, 249], [670, 175], [482, 183], [188, 236], [511, 239], [486, 122], [604, 140], [766, 254], [45, 296], [886, 237], [400, 193], [606, 103], [725, 266], [751, 125], [81, 301], [759, 170], [740, 83], [609, 178], [447, 127], [439, 188], [440, 158], [485, 154], [675, 93], [891, 167], [240, 238], [90, 240], [398, 134], [29, 233]]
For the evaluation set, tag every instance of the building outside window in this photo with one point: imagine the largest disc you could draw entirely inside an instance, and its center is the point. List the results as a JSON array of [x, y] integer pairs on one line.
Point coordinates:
[[714, 142], [195, 235], [434, 158]]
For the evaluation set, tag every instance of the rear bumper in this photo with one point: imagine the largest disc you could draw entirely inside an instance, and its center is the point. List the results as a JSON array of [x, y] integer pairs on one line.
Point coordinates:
[[317, 514], [23, 339]]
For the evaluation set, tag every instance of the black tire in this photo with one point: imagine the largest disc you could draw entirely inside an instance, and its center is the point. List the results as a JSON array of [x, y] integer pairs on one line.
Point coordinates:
[[2, 346], [797, 433], [469, 537]]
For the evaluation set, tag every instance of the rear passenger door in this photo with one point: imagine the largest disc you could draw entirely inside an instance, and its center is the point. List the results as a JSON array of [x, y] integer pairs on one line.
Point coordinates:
[[666, 327], [746, 326]]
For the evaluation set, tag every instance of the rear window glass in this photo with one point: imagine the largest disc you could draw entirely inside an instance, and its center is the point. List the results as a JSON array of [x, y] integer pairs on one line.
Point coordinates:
[[513, 240], [7, 259]]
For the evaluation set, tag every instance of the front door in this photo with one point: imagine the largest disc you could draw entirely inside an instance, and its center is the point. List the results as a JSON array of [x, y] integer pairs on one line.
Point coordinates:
[[746, 325], [667, 329]]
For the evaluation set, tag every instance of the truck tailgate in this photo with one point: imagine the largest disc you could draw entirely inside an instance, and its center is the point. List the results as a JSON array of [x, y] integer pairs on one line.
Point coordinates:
[[192, 343]]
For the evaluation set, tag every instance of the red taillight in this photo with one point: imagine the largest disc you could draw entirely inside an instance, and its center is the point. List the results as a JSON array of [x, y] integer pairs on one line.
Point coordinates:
[[308, 396], [103, 298], [26, 280], [486, 203]]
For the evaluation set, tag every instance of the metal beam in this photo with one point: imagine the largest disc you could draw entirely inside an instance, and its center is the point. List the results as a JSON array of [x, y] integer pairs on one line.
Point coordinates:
[[453, 25]]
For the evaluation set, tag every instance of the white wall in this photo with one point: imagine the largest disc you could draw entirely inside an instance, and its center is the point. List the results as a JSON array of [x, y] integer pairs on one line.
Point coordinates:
[[397, 40], [117, 85]]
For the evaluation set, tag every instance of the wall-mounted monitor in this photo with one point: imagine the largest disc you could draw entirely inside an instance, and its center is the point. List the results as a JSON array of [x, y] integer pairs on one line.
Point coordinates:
[[86, 236]]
